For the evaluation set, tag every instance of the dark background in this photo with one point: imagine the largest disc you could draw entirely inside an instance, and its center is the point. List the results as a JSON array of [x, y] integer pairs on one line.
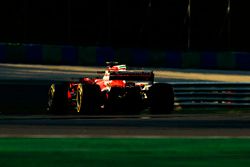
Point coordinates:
[[128, 23]]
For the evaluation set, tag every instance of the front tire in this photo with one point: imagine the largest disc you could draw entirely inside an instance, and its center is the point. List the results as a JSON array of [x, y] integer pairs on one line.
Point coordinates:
[[57, 99]]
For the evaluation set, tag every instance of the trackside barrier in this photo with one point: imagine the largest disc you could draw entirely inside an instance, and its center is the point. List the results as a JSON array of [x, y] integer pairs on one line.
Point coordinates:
[[143, 57], [210, 95]]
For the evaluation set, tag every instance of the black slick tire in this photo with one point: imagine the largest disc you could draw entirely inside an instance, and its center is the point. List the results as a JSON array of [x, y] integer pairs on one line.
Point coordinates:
[[91, 99], [57, 99]]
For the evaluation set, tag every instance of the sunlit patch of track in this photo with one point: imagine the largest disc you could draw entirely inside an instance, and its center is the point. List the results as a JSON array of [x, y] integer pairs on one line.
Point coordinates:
[[55, 72]]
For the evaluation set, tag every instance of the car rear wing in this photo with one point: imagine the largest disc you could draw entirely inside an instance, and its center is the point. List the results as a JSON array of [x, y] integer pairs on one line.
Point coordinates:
[[132, 75]]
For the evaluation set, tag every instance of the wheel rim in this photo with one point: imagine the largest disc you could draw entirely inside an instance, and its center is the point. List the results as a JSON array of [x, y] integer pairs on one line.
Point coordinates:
[[79, 101], [50, 98]]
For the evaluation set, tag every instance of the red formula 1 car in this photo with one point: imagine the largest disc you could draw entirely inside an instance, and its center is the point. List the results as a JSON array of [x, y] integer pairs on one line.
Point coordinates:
[[118, 91]]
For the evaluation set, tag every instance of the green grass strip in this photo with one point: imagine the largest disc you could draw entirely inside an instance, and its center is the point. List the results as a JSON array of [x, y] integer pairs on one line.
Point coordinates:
[[145, 152]]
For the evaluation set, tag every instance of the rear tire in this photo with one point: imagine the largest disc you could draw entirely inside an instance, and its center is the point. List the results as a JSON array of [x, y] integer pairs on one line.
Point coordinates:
[[91, 99], [161, 98]]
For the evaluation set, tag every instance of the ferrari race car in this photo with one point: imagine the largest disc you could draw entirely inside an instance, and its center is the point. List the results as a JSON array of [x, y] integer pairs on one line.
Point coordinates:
[[118, 91]]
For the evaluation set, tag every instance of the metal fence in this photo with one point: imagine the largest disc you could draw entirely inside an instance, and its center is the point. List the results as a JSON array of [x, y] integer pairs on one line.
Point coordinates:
[[212, 94]]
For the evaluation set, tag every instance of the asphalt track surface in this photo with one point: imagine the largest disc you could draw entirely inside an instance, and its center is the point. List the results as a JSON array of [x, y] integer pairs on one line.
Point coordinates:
[[24, 97]]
